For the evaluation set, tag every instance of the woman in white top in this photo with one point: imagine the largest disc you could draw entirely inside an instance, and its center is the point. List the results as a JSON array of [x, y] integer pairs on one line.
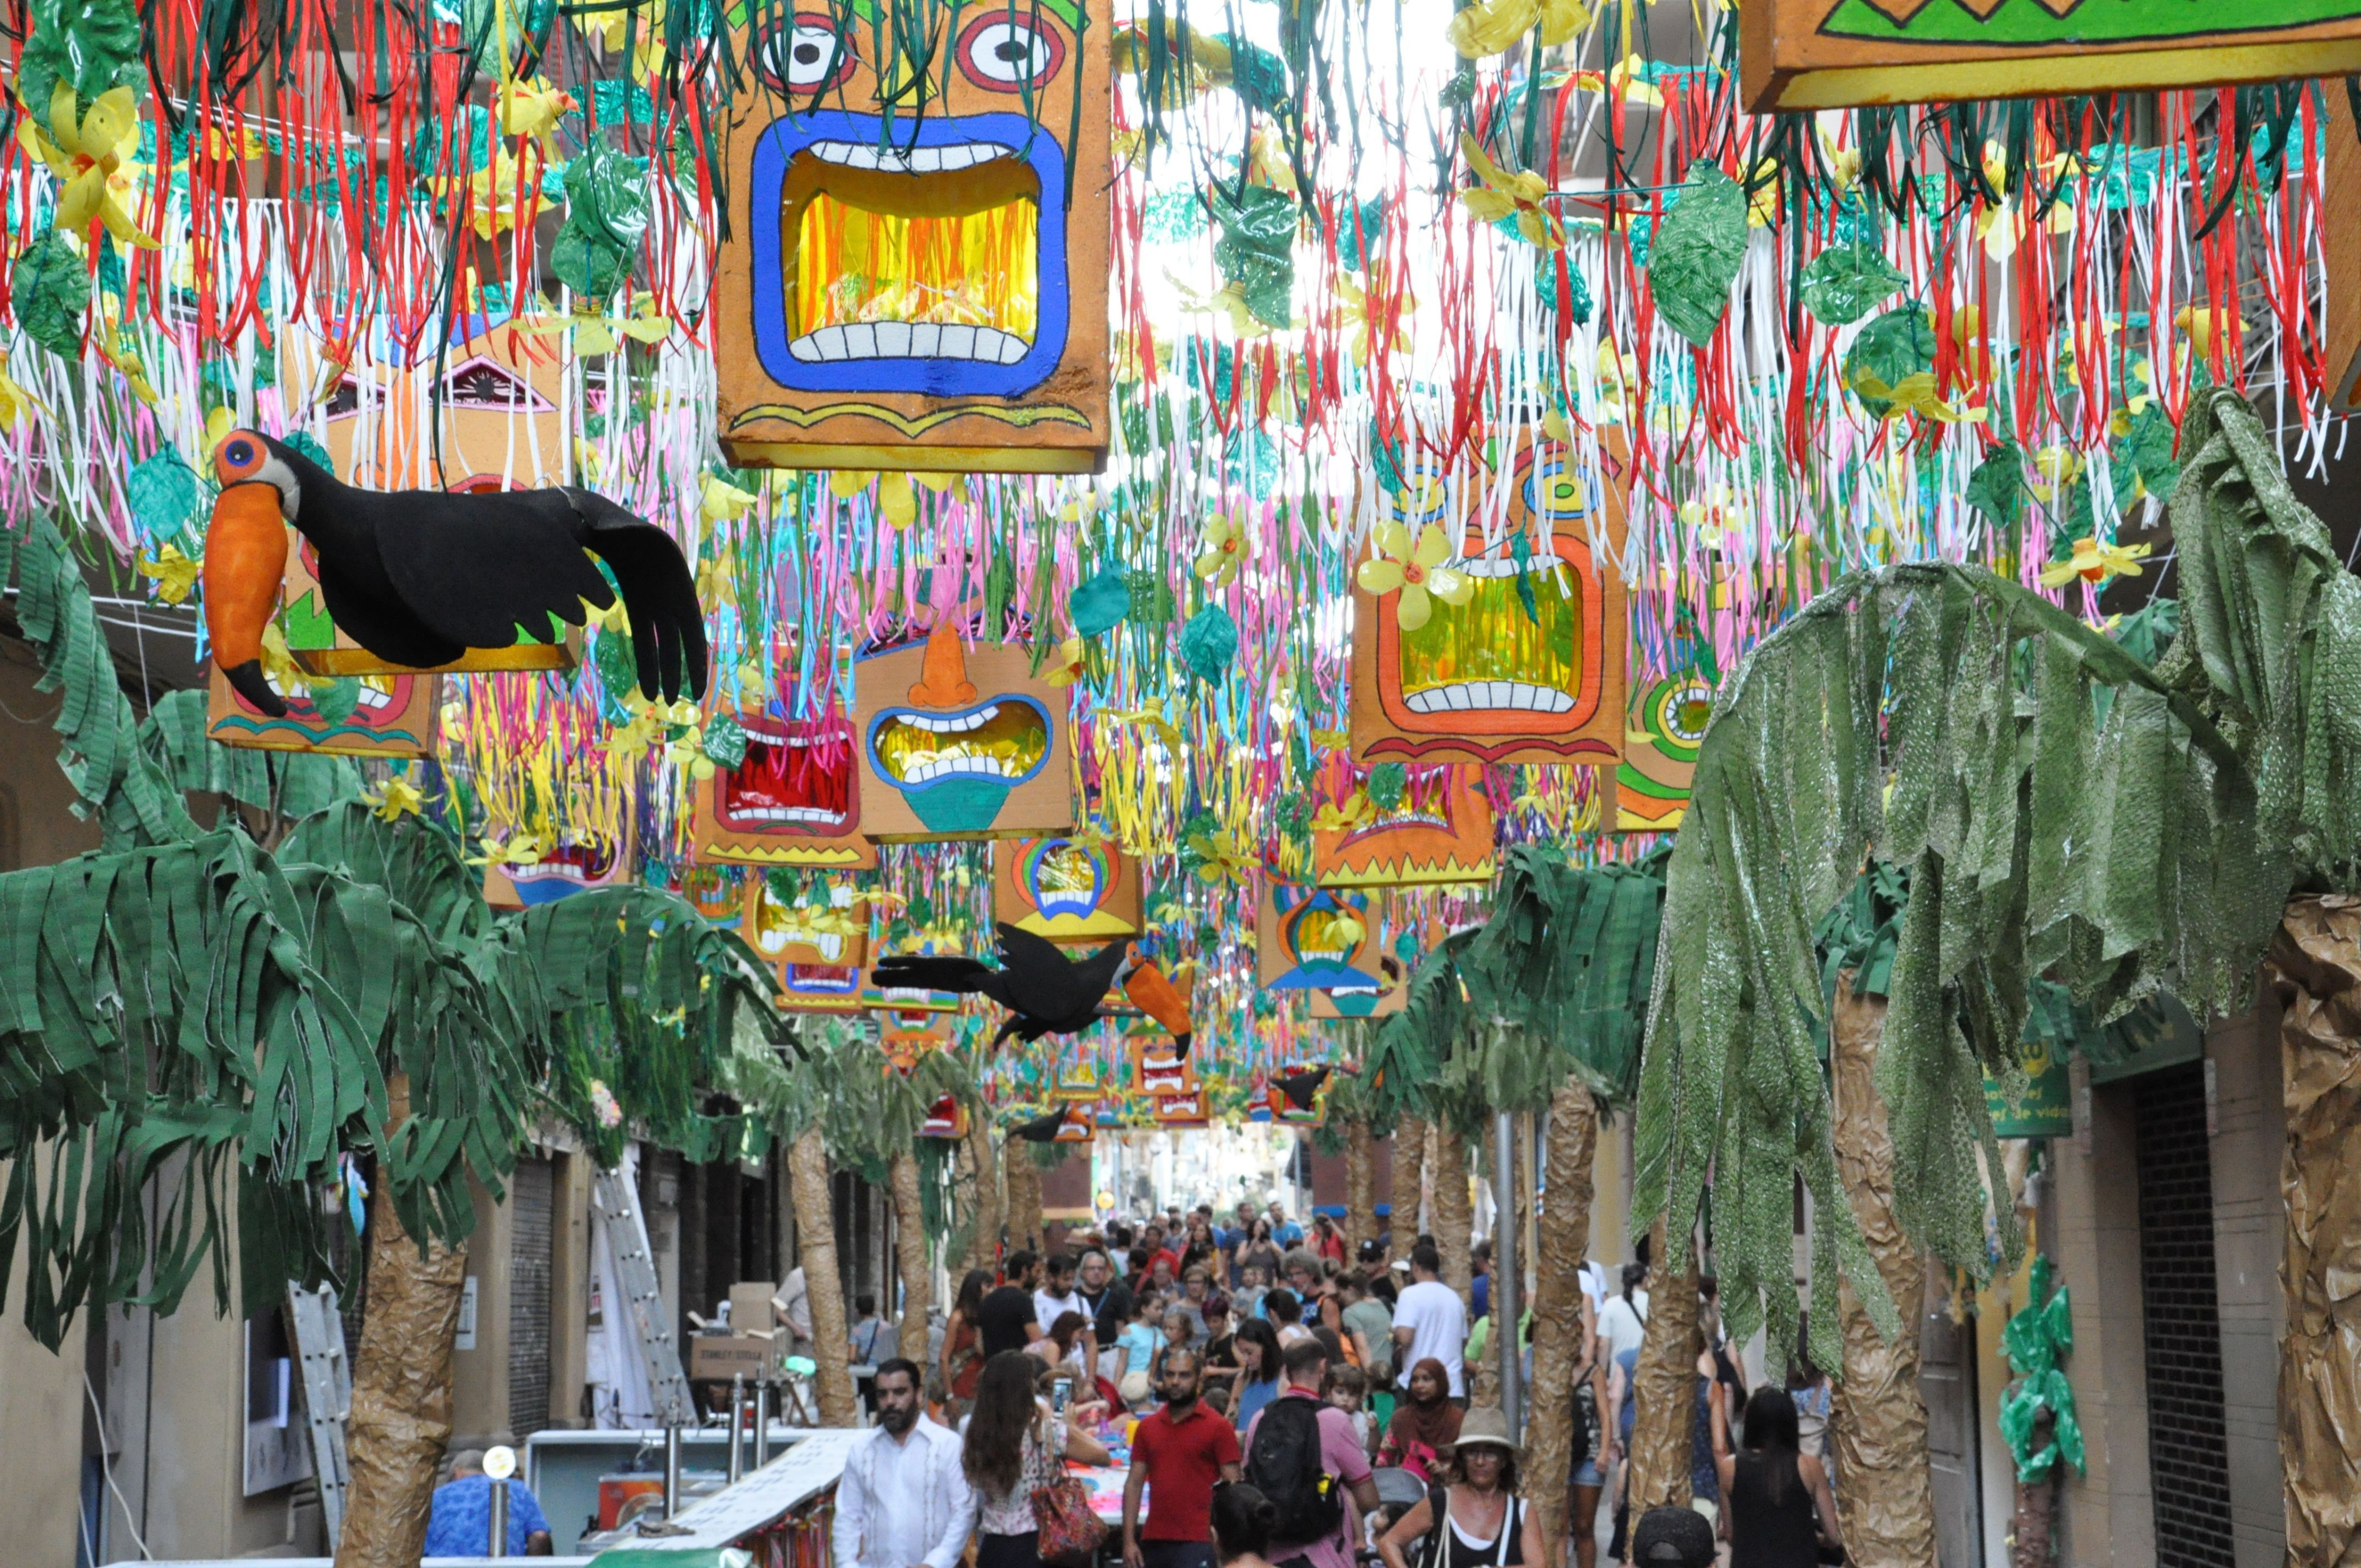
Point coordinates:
[[1014, 1446], [1623, 1321]]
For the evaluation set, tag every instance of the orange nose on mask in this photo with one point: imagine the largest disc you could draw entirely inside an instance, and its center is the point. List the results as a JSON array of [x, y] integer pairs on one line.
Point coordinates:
[[942, 673], [245, 559], [1161, 1000]]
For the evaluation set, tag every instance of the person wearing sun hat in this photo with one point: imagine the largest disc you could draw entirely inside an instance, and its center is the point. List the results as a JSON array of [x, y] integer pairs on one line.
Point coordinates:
[[1475, 1519]]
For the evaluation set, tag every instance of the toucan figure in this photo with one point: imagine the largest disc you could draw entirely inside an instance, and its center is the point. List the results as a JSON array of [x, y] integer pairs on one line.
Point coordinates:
[[1046, 992], [420, 576], [1302, 1088]]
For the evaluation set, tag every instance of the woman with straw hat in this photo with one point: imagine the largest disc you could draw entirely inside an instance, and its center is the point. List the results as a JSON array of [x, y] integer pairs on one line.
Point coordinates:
[[1476, 1519]]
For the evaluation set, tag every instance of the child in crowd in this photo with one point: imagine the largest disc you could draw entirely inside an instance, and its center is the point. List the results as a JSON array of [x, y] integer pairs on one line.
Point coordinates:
[[1246, 1301], [1347, 1387], [1138, 1343]]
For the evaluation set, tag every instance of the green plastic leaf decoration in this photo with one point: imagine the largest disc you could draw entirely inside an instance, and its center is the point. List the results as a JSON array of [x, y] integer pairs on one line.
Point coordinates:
[[1359, 231], [1694, 253], [1209, 642], [49, 291], [1099, 606], [163, 492], [90, 46], [1996, 488], [606, 214], [2144, 453], [1255, 247], [1894, 346], [724, 740], [2036, 1339], [1388, 783], [1845, 282]]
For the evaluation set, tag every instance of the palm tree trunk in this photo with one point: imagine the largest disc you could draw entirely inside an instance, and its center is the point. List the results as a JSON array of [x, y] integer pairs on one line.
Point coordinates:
[[823, 1282], [1664, 1385], [1557, 1304], [1408, 1217], [1454, 1223], [2316, 957], [984, 1171], [911, 1255], [401, 1380], [1879, 1420], [1023, 1195], [2033, 1525], [1360, 1187]]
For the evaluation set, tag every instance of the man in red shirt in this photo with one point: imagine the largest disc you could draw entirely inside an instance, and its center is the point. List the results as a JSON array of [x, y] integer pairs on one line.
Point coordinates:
[[1181, 1449]]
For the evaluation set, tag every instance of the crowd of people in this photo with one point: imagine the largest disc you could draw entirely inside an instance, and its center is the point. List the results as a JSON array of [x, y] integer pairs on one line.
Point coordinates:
[[1257, 1385]]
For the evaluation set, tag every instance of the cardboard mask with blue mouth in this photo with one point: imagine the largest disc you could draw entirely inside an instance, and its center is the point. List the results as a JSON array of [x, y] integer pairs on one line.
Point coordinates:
[[580, 859], [917, 277], [974, 747], [1066, 889], [1316, 939]]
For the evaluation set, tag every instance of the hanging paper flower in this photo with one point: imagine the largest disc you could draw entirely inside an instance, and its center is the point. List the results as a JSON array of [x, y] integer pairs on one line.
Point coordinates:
[[397, 799], [603, 1108], [1225, 551], [2096, 561], [722, 502], [1354, 814], [1066, 666], [174, 572], [1218, 860], [1359, 316], [532, 107], [1495, 27], [1501, 194], [1416, 570], [595, 332], [85, 156], [15, 403], [1915, 393]]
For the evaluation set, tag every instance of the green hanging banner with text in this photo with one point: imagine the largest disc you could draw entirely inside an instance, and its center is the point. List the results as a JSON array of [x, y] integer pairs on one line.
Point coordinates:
[[2047, 1111]]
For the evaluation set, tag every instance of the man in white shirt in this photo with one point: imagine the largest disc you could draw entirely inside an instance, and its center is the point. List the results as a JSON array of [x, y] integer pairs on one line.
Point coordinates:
[[795, 1305], [1430, 1319], [904, 1501], [1057, 1298]]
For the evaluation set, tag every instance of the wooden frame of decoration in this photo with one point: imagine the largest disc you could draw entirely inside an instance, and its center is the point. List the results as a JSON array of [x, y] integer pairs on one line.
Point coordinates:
[[815, 370], [1829, 54], [1449, 691], [392, 716], [1066, 890], [952, 742]]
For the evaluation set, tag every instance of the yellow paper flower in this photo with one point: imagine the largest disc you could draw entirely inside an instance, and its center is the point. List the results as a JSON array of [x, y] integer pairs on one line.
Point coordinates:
[[1353, 814], [2096, 561], [1066, 666], [1219, 860], [1502, 193], [595, 332], [2058, 466], [1150, 717], [397, 799], [84, 156], [15, 403], [532, 107], [1418, 570], [1495, 27], [722, 502], [1762, 207], [1224, 552], [174, 572], [2203, 323], [717, 581], [1359, 315], [1230, 300], [494, 197], [1915, 393]]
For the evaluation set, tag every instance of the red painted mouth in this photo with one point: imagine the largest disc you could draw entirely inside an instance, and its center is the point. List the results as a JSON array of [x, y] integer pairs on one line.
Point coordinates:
[[795, 779]]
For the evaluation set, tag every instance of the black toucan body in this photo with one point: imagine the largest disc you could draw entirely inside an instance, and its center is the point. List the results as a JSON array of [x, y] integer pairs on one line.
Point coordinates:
[[1045, 992], [420, 576], [1302, 1088]]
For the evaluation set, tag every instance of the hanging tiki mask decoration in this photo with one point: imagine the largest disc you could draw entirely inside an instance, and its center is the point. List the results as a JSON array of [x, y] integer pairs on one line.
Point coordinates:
[[1317, 939], [1652, 783], [1157, 1068], [717, 893], [1491, 635], [348, 716], [916, 273], [954, 743], [1068, 890], [1396, 827], [793, 799], [1828, 54], [814, 936], [906, 1037], [529, 871], [1390, 958]]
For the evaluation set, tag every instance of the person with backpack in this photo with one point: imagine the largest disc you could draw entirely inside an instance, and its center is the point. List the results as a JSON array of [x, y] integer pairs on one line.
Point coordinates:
[[1303, 1454], [1477, 1521]]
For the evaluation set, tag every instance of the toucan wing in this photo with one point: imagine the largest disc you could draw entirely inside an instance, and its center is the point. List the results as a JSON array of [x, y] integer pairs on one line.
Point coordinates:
[[1302, 1088], [1042, 980], [659, 594], [930, 971]]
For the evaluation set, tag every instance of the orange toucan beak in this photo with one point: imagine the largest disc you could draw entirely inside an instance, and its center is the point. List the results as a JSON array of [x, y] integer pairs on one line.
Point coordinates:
[[246, 561], [1161, 1000]]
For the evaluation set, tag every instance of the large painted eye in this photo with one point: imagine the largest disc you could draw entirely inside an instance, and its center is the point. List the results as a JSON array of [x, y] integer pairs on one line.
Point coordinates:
[[807, 56], [1003, 54], [239, 457]]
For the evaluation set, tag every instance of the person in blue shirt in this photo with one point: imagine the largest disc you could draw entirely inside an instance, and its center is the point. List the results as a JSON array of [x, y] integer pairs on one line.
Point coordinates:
[[1479, 1292], [1284, 1230], [461, 1523]]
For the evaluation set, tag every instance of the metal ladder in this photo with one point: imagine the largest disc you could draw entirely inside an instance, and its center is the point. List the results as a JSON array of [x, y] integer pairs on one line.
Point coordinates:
[[615, 1203], [326, 1375]]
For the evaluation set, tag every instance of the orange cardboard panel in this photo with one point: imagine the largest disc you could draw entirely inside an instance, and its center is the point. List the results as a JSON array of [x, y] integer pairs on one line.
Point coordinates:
[[1652, 783], [928, 290], [816, 949], [1440, 832], [1065, 889], [954, 743], [389, 715], [1531, 668], [1828, 54], [793, 800]]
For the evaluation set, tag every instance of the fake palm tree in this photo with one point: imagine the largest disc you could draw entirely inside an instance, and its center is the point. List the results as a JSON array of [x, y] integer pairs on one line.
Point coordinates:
[[2064, 812], [183, 991], [2036, 1414]]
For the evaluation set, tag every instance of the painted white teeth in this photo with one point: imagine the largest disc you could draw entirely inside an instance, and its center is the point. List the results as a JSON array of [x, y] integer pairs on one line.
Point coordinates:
[[1470, 695], [911, 340], [785, 814], [909, 160], [1502, 565]]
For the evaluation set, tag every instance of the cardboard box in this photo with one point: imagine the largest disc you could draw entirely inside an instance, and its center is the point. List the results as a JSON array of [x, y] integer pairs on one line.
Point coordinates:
[[724, 1357], [750, 1306]]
